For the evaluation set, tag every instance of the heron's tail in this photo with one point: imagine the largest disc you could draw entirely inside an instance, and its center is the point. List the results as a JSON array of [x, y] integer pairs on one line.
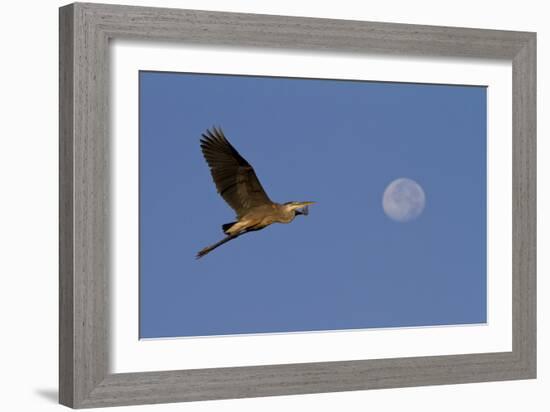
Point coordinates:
[[227, 226]]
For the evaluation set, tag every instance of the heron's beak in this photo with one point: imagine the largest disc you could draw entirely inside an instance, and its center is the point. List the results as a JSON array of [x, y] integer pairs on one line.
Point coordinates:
[[302, 208], [302, 204]]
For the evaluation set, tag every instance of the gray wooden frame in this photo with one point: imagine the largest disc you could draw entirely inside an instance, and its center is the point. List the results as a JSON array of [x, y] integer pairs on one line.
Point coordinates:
[[85, 31]]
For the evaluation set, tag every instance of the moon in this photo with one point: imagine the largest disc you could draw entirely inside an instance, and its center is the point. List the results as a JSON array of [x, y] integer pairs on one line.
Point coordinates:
[[403, 200]]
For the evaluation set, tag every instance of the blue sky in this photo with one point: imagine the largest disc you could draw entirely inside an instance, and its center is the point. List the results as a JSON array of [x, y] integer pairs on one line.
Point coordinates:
[[340, 143]]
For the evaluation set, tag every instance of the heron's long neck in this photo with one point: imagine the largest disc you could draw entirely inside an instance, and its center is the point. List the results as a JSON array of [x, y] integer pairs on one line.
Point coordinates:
[[287, 212]]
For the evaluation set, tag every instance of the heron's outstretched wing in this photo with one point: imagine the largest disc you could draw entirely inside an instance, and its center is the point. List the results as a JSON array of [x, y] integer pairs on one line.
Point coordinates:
[[234, 177]]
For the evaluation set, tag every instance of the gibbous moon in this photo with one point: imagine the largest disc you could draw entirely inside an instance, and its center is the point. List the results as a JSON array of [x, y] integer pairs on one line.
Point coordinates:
[[403, 200]]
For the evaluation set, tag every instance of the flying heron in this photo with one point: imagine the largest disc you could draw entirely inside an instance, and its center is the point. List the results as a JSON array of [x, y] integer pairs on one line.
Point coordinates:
[[239, 186]]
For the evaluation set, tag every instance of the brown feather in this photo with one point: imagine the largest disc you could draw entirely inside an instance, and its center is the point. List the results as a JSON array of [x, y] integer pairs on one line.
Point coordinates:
[[234, 177]]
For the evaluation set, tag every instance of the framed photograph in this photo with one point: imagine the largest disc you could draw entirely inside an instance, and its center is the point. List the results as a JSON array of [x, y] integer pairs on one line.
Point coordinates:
[[258, 205]]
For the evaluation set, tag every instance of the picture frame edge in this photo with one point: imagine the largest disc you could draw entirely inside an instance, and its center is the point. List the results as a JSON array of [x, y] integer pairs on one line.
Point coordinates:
[[84, 379]]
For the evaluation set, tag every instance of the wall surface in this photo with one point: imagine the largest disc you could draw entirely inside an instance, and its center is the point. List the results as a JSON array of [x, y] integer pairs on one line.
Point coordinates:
[[28, 210]]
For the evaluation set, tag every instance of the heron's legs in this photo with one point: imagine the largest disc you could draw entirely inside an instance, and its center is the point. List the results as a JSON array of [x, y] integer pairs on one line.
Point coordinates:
[[226, 239]]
